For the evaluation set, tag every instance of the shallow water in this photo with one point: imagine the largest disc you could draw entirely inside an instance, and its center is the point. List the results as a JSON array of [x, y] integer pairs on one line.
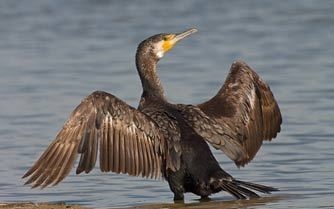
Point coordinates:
[[53, 53]]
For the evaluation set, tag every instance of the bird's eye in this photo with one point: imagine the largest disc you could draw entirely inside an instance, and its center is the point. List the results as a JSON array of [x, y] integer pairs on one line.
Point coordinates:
[[168, 37]]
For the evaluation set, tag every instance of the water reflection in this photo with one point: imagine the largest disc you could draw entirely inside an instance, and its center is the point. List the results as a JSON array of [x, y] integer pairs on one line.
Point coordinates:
[[264, 202]]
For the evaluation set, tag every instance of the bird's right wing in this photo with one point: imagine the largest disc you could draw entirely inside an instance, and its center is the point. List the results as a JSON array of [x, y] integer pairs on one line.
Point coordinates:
[[128, 140]]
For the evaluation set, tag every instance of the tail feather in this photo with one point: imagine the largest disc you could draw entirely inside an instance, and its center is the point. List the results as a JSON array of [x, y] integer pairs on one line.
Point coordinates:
[[257, 187], [243, 190], [232, 191]]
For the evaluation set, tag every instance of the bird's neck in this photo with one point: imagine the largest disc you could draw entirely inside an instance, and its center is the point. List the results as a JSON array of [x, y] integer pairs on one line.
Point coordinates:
[[147, 70]]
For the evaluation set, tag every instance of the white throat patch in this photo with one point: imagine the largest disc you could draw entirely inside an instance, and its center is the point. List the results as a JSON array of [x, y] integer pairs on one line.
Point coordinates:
[[158, 50], [160, 54]]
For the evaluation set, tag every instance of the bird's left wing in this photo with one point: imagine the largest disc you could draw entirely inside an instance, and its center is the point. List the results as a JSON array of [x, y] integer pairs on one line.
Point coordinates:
[[239, 117], [128, 140]]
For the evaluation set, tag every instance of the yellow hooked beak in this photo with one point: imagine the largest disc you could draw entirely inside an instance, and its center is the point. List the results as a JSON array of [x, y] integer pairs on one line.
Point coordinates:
[[170, 40]]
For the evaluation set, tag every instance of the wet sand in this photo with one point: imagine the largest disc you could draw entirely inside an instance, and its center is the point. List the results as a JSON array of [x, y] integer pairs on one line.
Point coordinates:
[[27, 205], [213, 204]]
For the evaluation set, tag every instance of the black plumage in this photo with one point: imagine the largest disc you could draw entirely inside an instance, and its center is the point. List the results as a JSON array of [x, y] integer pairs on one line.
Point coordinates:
[[160, 139]]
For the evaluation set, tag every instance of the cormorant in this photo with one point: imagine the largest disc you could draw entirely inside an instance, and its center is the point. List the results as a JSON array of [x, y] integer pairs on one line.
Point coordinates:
[[160, 139]]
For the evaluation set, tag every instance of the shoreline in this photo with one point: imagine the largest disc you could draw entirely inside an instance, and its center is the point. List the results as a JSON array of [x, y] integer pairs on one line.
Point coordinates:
[[31, 205]]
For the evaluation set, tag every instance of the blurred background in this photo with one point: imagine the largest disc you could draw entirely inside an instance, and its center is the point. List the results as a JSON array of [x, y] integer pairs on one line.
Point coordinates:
[[54, 53]]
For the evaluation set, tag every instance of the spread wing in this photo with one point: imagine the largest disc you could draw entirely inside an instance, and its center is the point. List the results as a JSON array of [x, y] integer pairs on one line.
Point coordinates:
[[247, 107], [128, 141], [219, 135]]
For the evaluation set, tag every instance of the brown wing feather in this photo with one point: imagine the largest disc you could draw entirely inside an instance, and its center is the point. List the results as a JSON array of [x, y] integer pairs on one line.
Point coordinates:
[[122, 132], [220, 136], [246, 104]]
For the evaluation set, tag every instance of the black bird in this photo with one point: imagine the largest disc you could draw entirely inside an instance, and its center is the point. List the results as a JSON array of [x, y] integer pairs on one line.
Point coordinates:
[[160, 139]]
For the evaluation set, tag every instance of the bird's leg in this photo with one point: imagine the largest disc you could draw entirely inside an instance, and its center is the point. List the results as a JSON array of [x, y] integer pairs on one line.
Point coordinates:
[[178, 191], [178, 197], [175, 180], [205, 199]]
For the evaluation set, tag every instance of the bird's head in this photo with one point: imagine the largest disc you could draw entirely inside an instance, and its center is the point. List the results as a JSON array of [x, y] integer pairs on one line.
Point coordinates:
[[156, 46]]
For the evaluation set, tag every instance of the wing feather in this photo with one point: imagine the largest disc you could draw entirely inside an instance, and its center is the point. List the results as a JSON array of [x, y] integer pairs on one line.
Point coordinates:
[[127, 141], [111, 145], [137, 158], [127, 157], [104, 147], [218, 135], [246, 105], [131, 154], [116, 147]]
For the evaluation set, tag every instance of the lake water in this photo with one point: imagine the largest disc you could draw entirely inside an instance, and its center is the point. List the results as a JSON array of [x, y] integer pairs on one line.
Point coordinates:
[[53, 53]]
